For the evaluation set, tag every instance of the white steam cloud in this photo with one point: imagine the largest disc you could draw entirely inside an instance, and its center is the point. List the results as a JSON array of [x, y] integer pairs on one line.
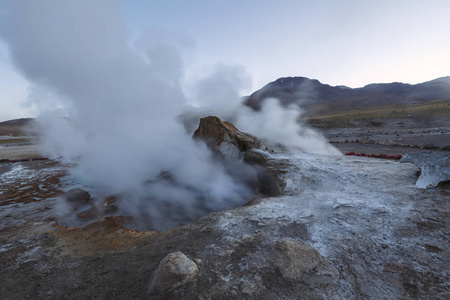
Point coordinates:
[[274, 123], [116, 116], [111, 108], [280, 126]]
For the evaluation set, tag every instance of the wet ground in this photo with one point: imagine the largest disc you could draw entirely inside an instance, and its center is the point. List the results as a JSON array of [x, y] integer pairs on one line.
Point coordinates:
[[28, 191]]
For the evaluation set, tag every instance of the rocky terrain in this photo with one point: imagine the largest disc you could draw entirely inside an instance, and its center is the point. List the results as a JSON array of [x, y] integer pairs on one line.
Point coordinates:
[[322, 227], [317, 227]]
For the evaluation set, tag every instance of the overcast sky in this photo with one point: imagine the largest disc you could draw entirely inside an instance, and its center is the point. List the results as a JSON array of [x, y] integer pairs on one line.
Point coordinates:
[[346, 42]]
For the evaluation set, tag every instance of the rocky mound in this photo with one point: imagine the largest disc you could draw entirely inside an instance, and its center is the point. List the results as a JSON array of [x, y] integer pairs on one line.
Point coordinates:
[[241, 149], [226, 140]]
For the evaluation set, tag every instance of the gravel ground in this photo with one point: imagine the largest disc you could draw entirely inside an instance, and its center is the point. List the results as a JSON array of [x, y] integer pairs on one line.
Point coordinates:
[[20, 152], [392, 137], [378, 149]]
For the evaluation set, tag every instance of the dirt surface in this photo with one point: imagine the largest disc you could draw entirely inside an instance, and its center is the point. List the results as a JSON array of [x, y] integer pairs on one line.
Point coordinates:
[[390, 136], [12, 152]]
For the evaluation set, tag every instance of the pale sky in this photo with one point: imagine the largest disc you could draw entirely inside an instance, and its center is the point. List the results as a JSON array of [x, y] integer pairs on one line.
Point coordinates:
[[346, 42]]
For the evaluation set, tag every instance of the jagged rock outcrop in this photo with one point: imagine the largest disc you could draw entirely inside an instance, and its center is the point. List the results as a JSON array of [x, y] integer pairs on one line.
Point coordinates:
[[434, 166], [226, 140]]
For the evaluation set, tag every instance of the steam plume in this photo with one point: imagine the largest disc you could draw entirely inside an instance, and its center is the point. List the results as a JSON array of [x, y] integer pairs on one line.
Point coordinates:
[[111, 108], [116, 107], [276, 124]]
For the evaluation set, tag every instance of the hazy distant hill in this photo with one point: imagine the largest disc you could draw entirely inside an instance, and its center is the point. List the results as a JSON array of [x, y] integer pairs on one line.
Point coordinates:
[[320, 98], [17, 122], [18, 127]]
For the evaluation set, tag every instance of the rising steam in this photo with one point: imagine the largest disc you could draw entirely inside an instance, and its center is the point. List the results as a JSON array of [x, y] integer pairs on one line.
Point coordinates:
[[111, 108], [276, 124], [280, 126], [117, 108]]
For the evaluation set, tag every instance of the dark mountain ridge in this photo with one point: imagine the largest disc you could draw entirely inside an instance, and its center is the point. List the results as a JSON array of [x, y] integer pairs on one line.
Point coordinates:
[[18, 122], [307, 92], [19, 127]]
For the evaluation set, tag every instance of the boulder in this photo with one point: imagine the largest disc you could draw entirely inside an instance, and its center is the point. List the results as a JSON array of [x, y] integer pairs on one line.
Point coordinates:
[[78, 195], [226, 140], [174, 270]]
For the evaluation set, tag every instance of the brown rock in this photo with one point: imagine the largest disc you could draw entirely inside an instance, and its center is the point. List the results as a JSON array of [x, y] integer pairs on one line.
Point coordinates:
[[225, 139], [296, 259]]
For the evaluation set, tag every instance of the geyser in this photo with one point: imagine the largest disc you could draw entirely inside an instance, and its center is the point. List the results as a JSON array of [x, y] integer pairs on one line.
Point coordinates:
[[110, 107], [116, 107]]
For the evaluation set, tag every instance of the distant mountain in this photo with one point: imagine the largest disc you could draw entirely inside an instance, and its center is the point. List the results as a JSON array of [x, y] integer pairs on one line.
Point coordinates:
[[19, 127], [307, 92], [18, 122]]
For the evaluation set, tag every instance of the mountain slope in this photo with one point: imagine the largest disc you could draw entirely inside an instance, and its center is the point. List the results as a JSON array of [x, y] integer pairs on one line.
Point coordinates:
[[313, 95], [17, 127]]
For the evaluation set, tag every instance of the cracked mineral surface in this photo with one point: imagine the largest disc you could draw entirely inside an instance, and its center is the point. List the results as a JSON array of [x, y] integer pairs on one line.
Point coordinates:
[[343, 228]]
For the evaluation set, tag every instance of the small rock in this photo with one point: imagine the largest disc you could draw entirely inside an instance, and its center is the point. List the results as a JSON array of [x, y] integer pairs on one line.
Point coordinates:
[[174, 270], [430, 146], [252, 286], [78, 195], [296, 259]]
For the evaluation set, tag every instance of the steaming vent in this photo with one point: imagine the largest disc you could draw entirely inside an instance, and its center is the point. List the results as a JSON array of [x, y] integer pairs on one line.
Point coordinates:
[[228, 147], [110, 109]]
